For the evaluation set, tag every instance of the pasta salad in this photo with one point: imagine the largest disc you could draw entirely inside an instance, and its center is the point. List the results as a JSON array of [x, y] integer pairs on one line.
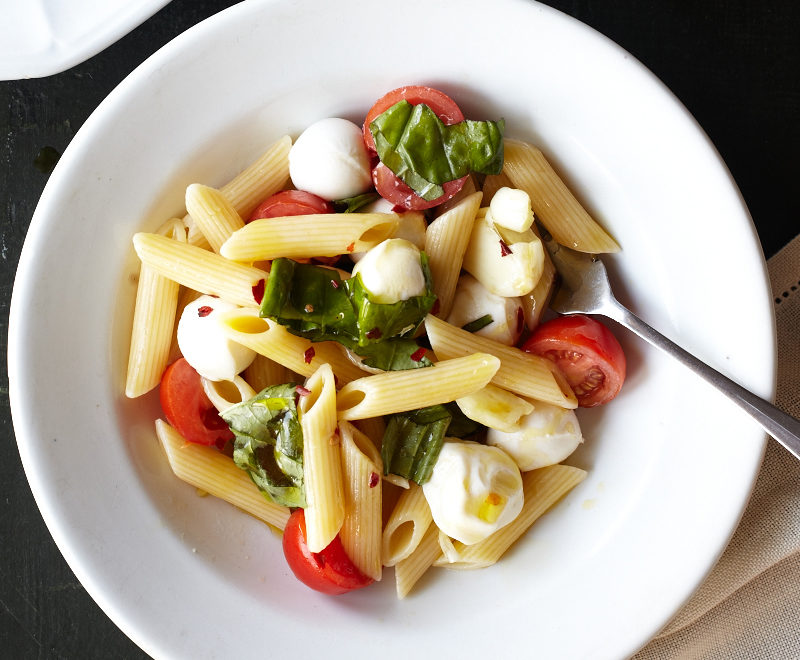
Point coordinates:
[[351, 342]]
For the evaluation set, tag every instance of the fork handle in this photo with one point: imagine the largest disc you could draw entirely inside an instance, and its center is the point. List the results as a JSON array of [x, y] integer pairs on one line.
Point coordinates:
[[784, 428]]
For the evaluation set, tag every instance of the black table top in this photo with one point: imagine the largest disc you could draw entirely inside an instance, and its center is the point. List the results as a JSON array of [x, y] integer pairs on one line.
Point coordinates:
[[733, 63]]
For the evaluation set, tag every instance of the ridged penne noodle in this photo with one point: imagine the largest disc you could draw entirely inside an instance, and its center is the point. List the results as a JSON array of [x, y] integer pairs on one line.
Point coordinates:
[[214, 215], [213, 472], [542, 488], [495, 407], [446, 240], [269, 338], [200, 269], [153, 323], [363, 496], [523, 373], [407, 524], [301, 236], [408, 571], [470, 186], [398, 391], [373, 428], [538, 300], [246, 190], [552, 201], [322, 463], [226, 393], [264, 372]]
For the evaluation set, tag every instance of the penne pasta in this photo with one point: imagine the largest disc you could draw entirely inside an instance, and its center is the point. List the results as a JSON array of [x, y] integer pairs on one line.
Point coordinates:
[[446, 241], [406, 526], [322, 464], [214, 215], [408, 571], [226, 393], [398, 391], [264, 372], [200, 269], [153, 323], [523, 373], [542, 488], [302, 236], [552, 202], [536, 302], [213, 472], [363, 495]]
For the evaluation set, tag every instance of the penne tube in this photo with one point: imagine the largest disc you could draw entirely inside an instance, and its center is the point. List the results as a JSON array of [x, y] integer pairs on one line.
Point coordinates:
[[270, 339], [264, 372], [407, 524], [200, 269], [552, 202], [537, 301], [542, 488], [322, 464], [361, 531], [398, 391], [213, 472], [302, 236], [523, 373], [408, 571], [226, 393], [446, 240], [214, 215], [153, 322]]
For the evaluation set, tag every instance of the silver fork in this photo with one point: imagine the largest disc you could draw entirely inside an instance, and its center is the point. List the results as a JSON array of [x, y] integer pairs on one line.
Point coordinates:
[[585, 289]]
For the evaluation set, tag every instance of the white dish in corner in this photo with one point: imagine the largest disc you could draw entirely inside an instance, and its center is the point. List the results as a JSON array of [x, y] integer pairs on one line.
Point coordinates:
[[42, 37], [671, 464]]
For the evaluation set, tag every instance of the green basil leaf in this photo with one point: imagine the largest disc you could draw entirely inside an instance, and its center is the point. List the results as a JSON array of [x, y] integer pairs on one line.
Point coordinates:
[[478, 324], [353, 204], [268, 443], [412, 442], [425, 153], [393, 355]]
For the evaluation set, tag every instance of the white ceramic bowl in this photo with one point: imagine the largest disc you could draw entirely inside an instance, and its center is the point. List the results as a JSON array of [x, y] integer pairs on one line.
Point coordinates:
[[670, 463]]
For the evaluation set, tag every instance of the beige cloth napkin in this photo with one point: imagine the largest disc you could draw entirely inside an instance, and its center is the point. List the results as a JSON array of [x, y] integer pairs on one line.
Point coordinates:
[[749, 606]]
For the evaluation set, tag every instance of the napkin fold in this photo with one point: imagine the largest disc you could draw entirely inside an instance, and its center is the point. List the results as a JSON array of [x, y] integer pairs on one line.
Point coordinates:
[[749, 605]]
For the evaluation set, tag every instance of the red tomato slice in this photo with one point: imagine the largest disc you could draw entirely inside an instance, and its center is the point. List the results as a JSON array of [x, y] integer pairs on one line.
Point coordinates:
[[290, 202], [188, 409], [586, 352], [445, 108], [330, 571], [393, 190]]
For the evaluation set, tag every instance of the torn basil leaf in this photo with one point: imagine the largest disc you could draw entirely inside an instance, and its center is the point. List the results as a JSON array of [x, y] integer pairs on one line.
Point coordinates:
[[425, 153], [478, 324], [355, 204], [268, 443]]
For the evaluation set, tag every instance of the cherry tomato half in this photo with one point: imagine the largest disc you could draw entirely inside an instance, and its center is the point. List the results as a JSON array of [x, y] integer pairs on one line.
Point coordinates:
[[389, 186], [188, 409], [330, 571], [290, 202], [586, 352]]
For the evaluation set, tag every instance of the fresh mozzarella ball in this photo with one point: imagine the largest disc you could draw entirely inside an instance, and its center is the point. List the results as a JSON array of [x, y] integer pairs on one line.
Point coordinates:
[[411, 225], [472, 301], [391, 271], [545, 437], [329, 159], [473, 491], [511, 208], [204, 343]]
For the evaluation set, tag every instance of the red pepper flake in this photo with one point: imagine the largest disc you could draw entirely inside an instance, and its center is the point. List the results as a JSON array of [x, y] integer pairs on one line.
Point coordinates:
[[374, 480], [258, 291], [504, 249], [351, 247], [418, 354], [375, 333], [520, 320], [309, 308], [205, 310], [436, 307], [309, 355], [302, 391], [334, 284]]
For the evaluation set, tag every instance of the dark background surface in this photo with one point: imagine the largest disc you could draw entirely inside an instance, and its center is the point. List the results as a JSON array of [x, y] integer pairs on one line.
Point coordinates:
[[735, 64]]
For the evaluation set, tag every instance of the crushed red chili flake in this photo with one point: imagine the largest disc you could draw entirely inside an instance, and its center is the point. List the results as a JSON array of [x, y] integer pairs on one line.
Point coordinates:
[[334, 284], [351, 247], [302, 391], [418, 354], [205, 310], [309, 355], [520, 320], [504, 249], [258, 291], [374, 480], [375, 333], [309, 308]]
